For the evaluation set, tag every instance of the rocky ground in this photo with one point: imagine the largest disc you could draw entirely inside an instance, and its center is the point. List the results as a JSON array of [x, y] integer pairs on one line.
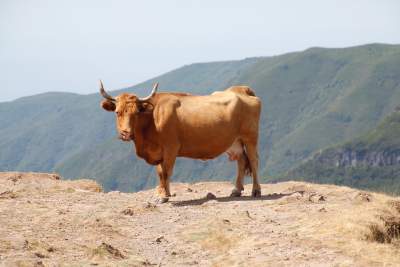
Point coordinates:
[[45, 221]]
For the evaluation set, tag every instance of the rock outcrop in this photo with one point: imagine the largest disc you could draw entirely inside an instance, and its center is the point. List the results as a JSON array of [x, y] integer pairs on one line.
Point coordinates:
[[370, 161], [355, 158]]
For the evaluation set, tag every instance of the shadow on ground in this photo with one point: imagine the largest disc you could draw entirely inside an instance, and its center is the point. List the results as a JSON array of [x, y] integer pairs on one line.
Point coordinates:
[[200, 201]]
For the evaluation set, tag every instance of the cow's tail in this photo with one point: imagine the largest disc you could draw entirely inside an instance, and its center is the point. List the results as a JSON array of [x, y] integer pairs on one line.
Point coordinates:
[[247, 166]]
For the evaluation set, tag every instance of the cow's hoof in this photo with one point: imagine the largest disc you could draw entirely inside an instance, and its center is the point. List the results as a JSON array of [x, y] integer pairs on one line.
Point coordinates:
[[236, 192], [162, 200], [256, 193]]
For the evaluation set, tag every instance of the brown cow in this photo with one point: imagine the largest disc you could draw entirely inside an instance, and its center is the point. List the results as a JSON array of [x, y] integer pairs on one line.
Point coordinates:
[[164, 126]]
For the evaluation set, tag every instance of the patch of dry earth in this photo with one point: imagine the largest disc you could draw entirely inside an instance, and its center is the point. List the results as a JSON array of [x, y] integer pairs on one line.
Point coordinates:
[[46, 221]]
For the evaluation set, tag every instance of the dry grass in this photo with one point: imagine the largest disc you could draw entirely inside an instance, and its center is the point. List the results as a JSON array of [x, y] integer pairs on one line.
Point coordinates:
[[48, 221], [387, 227], [213, 235], [106, 251]]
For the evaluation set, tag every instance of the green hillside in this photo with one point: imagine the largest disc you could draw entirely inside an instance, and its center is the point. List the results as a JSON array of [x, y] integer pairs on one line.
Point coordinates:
[[311, 100], [371, 161]]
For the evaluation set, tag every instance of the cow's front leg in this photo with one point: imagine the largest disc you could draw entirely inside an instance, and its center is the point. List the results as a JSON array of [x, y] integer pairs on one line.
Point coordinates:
[[162, 190], [164, 171]]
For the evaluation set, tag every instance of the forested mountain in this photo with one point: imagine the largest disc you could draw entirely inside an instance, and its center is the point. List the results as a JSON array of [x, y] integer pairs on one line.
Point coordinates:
[[311, 99]]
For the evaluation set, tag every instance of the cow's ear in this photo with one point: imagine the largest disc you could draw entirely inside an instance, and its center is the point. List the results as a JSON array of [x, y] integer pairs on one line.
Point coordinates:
[[108, 105], [146, 107]]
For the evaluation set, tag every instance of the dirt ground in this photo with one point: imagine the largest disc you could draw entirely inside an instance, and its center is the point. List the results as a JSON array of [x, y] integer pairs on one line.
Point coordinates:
[[45, 221]]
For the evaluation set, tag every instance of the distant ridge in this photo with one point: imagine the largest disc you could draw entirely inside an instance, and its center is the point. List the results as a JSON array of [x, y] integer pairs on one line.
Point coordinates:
[[311, 99]]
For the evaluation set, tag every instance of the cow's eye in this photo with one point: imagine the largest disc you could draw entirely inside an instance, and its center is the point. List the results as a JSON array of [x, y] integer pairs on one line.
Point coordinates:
[[119, 113]]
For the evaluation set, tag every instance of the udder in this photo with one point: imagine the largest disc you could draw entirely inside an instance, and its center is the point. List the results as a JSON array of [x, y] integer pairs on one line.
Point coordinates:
[[235, 150]]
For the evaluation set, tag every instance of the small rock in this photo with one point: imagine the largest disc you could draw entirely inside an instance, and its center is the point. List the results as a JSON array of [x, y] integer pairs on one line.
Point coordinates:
[[128, 211], [173, 253], [61, 212], [106, 251], [55, 176], [15, 178], [226, 221], [149, 205], [210, 196], [363, 197], [159, 239], [189, 189], [40, 255], [322, 210], [8, 194], [315, 198]]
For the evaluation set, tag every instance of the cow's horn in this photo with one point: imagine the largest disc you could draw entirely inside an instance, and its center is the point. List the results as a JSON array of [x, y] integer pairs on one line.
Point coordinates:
[[104, 94], [153, 92]]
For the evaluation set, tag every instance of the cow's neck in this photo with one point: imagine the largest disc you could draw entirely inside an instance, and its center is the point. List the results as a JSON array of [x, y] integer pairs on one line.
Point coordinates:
[[145, 140]]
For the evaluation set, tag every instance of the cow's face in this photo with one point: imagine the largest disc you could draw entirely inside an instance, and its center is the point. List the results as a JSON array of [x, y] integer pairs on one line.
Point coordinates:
[[127, 107]]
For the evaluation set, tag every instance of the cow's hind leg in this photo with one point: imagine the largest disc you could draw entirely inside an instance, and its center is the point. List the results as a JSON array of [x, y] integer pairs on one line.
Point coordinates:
[[252, 154], [241, 165]]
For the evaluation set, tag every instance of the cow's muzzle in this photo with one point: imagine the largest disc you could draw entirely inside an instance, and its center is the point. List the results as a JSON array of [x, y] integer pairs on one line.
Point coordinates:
[[125, 136]]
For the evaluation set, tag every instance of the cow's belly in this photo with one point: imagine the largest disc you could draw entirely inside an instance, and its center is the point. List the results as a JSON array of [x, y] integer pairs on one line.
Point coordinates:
[[212, 149]]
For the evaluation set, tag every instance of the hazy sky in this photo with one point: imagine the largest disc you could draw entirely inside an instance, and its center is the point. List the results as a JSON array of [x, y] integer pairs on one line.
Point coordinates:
[[69, 45]]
